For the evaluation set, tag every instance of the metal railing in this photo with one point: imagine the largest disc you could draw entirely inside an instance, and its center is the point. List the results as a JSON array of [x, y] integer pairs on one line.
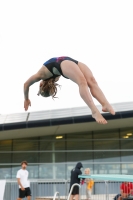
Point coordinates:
[[55, 195], [72, 190], [45, 189], [39, 189], [102, 190], [109, 185]]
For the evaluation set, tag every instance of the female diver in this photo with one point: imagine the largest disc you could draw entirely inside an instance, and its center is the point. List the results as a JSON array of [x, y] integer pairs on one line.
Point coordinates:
[[76, 71]]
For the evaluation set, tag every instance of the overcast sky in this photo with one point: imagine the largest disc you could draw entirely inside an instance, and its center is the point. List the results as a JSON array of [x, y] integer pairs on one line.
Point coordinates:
[[97, 32]]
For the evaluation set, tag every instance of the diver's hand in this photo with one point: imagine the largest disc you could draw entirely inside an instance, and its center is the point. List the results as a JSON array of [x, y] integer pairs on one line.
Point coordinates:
[[27, 103]]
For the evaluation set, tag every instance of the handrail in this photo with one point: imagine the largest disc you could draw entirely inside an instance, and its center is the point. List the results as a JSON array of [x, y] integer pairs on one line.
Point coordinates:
[[56, 194], [76, 184]]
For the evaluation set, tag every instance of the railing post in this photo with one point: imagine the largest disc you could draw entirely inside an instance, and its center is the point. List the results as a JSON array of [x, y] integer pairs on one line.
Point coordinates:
[[66, 186], [106, 186]]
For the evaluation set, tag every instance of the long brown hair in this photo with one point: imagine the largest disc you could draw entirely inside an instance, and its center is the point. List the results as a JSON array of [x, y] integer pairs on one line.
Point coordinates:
[[49, 88]]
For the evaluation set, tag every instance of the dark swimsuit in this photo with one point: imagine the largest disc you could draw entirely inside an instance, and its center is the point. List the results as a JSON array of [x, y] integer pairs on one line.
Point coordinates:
[[53, 65]]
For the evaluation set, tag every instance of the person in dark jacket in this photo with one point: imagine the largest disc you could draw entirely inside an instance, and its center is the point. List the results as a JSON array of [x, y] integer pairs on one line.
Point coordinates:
[[74, 179]]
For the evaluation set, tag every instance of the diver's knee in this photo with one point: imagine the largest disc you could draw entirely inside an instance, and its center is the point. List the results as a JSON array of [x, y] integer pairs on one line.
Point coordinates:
[[92, 82], [82, 81]]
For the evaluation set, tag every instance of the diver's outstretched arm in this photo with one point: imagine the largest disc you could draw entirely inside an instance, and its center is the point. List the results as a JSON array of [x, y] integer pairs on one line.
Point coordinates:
[[27, 84]]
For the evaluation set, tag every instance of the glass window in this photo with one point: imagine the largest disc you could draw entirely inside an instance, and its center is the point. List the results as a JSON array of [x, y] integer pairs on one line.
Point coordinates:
[[47, 145], [126, 143], [52, 171], [59, 170], [107, 168], [59, 144], [28, 144], [126, 133], [52, 157], [15, 168], [28, 156], [47, 157], [5, 145], [33, 171], [5, 157], [5, 172], [82, 136], [52, 144], [127, 168], [79, 145], [126, 138], [47, 137], [70, 166], [107, 156], [127, 156], [46, 171], [60, 157], [106, 144], [79, 156], [106, 134]]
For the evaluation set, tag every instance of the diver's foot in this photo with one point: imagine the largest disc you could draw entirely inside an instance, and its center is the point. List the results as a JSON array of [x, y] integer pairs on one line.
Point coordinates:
[[108, 108], [99, 118]]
